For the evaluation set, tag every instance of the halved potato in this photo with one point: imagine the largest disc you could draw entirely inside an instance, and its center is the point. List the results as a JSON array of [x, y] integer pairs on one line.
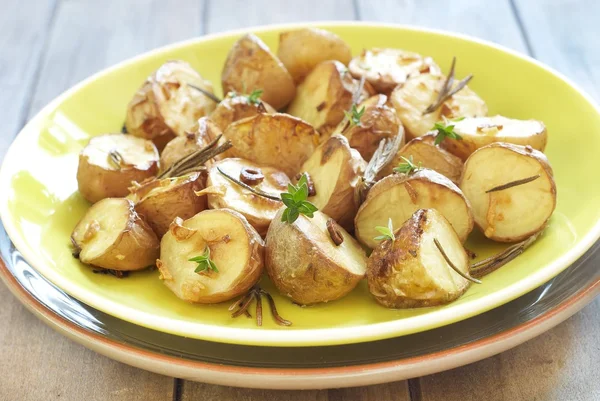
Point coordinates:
[[511, 214], [425, 153], [410, 271], [325, 95], [235, 248], [387, 68], [259, 211], [302, 49], [306, 265], [480, 131], [109, 163], [250, 65], [398, 196], [335, 170], [235, 107], [161, 201], [377, 122], [112, 235], [418, 93], [167, 106], [275, 140]]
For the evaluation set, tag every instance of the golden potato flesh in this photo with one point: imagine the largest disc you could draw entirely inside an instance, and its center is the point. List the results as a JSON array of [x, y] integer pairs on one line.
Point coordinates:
[[306, 265], [109, 163], [235, 248], [377, 122], [161, 201], [167, 105], [410, 271], [235, 107], [398, 196], [250, 65], [387, 68], [325, 95], [112, 235], [302, 49], [335, 170], [259, 211], [480, 131], [517, 212], [275, 140], [425, 153], [418, 93]]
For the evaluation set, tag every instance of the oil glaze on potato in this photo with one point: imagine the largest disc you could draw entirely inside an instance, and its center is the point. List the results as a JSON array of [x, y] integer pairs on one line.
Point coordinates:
[[112, 235], [304, 263], [511, 214], [250, 65], [398, 196], [99, 177], [411, 272], [166, 106], [235, 107], [235, 248]]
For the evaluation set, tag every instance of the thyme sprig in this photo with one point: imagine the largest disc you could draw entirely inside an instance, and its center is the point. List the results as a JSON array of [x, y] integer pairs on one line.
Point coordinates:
[[205, 263], [386, 232], [254, 97], [408, 166], [445, 129], [295, 200], [354, 115]]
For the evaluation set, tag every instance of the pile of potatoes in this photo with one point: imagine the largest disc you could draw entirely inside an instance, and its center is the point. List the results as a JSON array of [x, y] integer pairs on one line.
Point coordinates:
[[310, 109]]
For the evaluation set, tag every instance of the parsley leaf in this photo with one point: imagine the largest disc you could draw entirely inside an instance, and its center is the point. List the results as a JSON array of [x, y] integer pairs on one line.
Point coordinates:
[[204, 262]]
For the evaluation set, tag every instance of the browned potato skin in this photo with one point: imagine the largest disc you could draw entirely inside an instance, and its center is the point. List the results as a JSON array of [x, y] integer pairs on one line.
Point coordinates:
[[426, 154], [250, 65], [179, 200], [275, 140], [378, 122], [236, 107], [302, 49]]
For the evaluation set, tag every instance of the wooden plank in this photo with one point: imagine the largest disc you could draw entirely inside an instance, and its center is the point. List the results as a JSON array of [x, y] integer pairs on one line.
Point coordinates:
[[208, 392], [396, 391], [490, 20]]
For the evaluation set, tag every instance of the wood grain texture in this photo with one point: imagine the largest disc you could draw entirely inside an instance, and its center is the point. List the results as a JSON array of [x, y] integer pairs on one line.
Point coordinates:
[[208, 392]]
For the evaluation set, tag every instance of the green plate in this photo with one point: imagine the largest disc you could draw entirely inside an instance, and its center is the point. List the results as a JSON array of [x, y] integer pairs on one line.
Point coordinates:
[[39, 203]]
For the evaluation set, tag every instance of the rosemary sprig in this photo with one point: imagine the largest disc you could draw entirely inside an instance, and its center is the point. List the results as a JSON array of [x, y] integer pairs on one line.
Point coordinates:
[[446, 130], [241, 306], [354, 115], [408, 167], [513, 184], [446, 92], [204, 261], [456, 269], [488, 265], [206, 93], [115, 157], [386, 232], [195, 161], [385, 153], [295, 201], [254, 97], [345, 123], [248, 187]]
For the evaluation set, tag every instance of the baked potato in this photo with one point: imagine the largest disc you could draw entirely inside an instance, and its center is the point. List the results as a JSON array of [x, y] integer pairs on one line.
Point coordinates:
[[168, 105], [398, 196], [335, 170], [111, 235], [274, 140], [511, 189], [212, 257], [480, 131], [409, 270], [258, 210], [236, 106], [250, 65], [387, 68], [109, 163], [301, 50], [306, 265]]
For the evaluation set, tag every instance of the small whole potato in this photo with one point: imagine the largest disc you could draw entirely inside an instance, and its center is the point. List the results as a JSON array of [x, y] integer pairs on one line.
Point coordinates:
[[109, 163], [236, 107]]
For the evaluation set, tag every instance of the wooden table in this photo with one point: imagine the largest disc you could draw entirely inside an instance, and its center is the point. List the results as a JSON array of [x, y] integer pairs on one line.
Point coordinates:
[[46, 46]]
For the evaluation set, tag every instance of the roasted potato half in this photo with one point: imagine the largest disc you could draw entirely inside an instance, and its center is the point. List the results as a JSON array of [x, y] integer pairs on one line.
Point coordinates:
[[167, 105], [306, 265], [302, 49], [425, 153], [398, 196], [223, 193], [276, 140], [109, 163], [235, 107], [511, 189], [234, 247], [480, 131], [335, 170], [387, 68], [378, 121], [325, 95], [410, 271], [418, 93], [161, 201], [112, 235], [250, 65]]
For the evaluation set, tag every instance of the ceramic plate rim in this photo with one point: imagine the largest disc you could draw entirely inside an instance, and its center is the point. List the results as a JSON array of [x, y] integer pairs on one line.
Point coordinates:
[[305, 337]]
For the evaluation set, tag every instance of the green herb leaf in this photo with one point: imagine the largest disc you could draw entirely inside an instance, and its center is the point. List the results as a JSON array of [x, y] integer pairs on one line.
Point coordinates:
[[296, 201], [254, 97], [446, 130], [354, 115], [408, 167], [387, 232], [204, 261]]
